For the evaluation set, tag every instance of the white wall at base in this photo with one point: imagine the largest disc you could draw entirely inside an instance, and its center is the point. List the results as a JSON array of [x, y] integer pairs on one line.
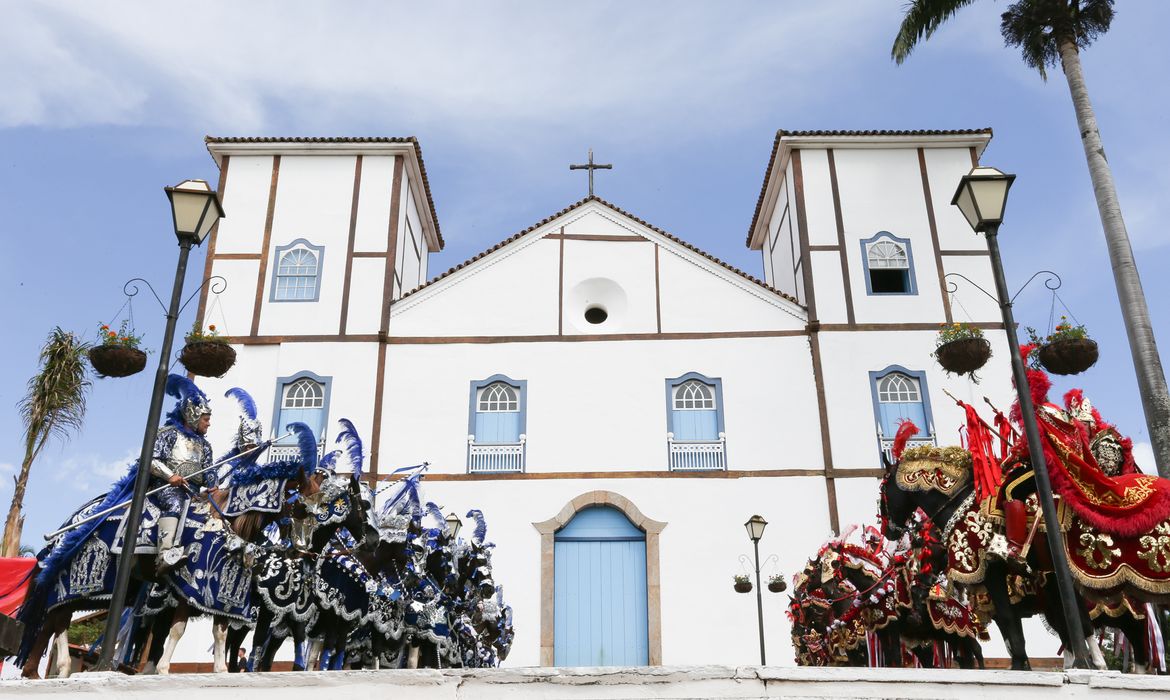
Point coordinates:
[[373, 215], [365, 296]]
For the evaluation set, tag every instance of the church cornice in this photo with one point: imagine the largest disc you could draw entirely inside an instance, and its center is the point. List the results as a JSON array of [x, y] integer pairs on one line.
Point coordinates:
[[219, 146], [787, 139]]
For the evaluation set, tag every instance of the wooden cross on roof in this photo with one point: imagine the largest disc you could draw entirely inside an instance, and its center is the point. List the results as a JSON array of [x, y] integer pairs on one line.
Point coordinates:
[[591, 166]]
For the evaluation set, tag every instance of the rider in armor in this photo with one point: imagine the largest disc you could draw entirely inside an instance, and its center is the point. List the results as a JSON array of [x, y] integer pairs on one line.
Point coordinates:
[[182, 460]]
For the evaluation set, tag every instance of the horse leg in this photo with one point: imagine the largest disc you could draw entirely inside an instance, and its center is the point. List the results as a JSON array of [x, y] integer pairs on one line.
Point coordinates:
[[219, 633], [1136, 631], [178, 627], [298, 631], [64, 662], [412, 656], [41, 642], [316, 649], [260, 639], [158, 637], [1006, 618]]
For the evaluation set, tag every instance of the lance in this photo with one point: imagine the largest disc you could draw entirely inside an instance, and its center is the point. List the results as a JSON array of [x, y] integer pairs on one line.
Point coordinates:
[[111, 509], [987, 425]]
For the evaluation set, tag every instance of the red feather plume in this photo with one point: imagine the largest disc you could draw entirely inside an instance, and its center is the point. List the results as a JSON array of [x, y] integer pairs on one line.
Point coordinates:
[[906, 430]]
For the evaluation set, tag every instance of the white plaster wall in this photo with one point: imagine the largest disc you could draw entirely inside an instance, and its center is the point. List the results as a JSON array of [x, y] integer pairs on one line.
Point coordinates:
[[629, 266], [598, 220], [515, 295], [818, 195], [881, 190], [373, 215], [696, 300], [703, 620], [233, 312], [599, 405], [850, 356], [365, 296], [830, 289], [970, 304], [245, 204], [313, 201], [352, 367], [944, 168], [785, 239]]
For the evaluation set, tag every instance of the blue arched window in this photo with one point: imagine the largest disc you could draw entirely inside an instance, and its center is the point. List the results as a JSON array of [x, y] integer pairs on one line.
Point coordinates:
[[694, 405], [599, 595], [888, 264], [900, 394], [298, 272], [302, 398]]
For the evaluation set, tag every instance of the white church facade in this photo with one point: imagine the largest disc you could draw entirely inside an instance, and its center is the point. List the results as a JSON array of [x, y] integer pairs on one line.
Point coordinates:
[[616, 401]]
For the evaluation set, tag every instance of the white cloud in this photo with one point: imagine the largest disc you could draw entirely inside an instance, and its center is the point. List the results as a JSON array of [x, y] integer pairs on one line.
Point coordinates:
[[87, 472], [473, 68]]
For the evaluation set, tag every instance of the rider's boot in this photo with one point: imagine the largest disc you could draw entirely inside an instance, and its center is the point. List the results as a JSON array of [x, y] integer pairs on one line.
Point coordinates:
[[169, 554]]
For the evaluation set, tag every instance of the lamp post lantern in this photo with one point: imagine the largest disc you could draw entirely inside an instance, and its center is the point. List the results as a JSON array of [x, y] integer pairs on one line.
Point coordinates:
[[454, 524], [755, 530], [195, 208], [982, 198]]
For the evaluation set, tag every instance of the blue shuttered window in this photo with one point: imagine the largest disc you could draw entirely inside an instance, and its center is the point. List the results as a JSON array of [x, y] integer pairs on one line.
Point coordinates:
[[693, 412], [600, 591], [302, 399], [497, 415], [899, 396]]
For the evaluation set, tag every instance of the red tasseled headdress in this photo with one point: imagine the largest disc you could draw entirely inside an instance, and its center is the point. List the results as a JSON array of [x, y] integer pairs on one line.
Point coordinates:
[[1038, 384], [906, 430]]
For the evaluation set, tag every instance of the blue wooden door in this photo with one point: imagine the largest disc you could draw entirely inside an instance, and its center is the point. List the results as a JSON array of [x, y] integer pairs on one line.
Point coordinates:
[[600, 591], [312, 417]]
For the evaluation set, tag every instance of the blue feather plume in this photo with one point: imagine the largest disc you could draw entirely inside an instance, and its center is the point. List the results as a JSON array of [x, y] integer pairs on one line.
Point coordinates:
[[329, 461], [437, 514], [247, 405], [181, 388], [353, 445], [480, 525], [307, 444]]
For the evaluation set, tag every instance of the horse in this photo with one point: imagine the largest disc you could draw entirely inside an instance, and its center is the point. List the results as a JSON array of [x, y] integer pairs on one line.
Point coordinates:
[[947, 496]]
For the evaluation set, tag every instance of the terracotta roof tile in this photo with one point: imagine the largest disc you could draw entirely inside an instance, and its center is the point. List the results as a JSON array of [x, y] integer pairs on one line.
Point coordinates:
[[619, 210], [422, 167], [781, 133]]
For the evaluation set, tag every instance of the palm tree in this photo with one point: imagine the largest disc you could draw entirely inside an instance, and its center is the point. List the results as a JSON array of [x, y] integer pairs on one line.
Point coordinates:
[[1048, 32], [54, 406]]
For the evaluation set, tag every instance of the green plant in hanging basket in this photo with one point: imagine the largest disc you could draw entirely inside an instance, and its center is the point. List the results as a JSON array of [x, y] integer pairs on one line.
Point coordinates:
[[777, 584], [961, 348], [117, 355], [742, 583], [1067, 350], [207, 353]]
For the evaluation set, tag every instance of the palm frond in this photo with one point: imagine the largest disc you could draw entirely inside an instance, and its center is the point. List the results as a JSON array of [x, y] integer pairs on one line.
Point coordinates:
[[55, 403], [921, 19], [1039, 27]]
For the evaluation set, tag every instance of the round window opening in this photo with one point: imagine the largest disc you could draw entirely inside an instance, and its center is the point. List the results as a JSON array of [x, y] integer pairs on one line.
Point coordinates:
[[596, 315]]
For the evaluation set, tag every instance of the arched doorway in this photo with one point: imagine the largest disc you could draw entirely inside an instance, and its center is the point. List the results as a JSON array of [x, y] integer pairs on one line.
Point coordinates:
[[602, 527], [600, 591]]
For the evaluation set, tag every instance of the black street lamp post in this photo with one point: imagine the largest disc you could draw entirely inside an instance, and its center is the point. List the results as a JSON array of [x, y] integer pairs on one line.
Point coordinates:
[[755, 529], [982, 197], [195, 208]]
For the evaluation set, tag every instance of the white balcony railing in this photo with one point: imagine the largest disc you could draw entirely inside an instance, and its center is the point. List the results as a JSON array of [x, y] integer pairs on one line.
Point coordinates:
[[886, 444], [495, 458], [694, 456], [278, 452]]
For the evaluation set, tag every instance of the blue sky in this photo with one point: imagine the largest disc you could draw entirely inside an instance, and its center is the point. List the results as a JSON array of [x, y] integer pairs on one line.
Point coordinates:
[[105, 103]]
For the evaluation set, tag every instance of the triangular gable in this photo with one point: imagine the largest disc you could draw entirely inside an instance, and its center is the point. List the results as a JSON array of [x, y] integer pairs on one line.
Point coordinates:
[[619, 221]]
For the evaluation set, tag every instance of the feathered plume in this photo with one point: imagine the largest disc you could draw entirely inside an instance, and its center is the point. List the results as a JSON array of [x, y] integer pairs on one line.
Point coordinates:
[[329, 461], [434, 512], [244, 399], [351, 445], [480, 525], [1038, 384], [307, 444], [181, 388], [906, 430]]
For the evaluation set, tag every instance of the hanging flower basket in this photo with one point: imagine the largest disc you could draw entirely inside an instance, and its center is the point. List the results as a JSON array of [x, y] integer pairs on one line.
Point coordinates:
[[1071, 356], [117, 355], [207, 358], [742, 584], [116, 360], [777, 585], [207, 353], [963, 356]]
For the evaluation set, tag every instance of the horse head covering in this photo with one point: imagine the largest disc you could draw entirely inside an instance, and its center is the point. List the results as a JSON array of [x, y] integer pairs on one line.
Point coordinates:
[[192, 403], [250, 431]]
